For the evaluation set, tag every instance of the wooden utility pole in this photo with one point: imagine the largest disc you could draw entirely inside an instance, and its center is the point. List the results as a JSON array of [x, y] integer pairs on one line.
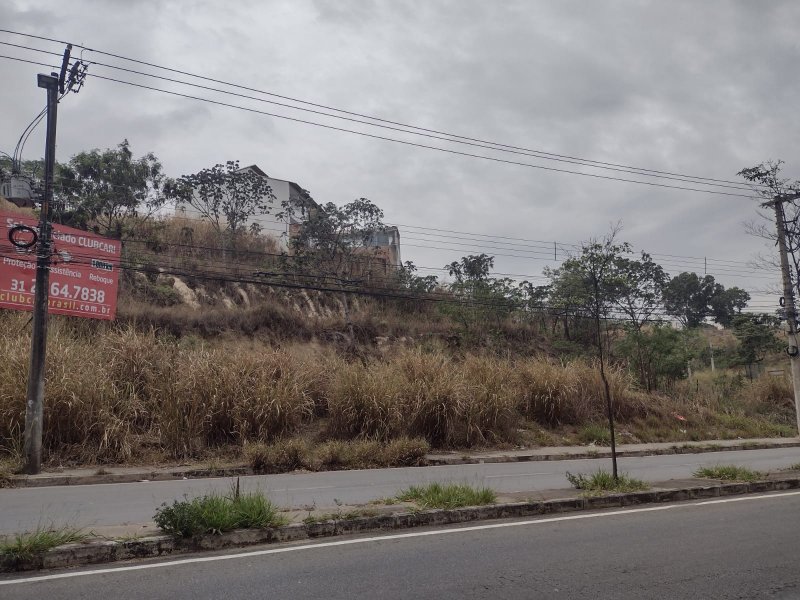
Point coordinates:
[[34, 405], [788, 296]]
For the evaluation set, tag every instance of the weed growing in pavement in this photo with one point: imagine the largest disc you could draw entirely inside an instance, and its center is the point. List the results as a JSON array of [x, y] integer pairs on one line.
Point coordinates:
[[603, 481], [27, 545], [794, 467], [729, 473], [437, 495], [216, 513]]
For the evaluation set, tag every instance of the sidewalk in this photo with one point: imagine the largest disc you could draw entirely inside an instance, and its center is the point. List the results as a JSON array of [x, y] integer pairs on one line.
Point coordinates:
[[97, 475]]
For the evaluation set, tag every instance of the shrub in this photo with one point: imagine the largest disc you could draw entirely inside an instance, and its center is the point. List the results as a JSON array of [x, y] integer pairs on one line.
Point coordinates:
[[487, 409], [294, 454], [603, 481], [25, 546], [437, 495], [594, 434], [405, 452], [216, 513], [281, 457], [549, 393], [729, 473]]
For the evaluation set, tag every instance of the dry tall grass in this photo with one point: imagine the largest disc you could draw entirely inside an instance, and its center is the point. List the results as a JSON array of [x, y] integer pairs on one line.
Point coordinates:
[[115, 393]]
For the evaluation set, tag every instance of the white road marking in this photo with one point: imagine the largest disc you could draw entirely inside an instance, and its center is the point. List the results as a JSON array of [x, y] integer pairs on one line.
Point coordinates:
[[396, 536]]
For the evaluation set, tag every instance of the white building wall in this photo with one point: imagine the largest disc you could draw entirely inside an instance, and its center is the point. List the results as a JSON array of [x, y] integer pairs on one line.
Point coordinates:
[[270, 224]]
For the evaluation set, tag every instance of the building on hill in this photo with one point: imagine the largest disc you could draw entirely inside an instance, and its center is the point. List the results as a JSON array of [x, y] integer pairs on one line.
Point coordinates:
[[382, 246], [286, 194], [383, 249]]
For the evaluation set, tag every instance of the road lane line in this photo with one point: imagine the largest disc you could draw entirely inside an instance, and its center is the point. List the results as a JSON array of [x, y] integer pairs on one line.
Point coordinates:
[[397, 536]]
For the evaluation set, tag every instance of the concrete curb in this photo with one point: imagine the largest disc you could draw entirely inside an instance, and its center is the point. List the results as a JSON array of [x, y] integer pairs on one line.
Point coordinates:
[[532, 457], [75, 555], [20, 481]]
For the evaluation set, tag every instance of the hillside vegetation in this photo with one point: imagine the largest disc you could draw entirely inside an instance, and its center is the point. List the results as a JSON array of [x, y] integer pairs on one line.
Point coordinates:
[[121, 393], [231, 343]]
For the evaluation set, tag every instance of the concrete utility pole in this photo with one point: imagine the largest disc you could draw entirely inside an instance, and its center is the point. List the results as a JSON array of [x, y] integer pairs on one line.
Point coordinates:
[[788, 296], [34, 406]]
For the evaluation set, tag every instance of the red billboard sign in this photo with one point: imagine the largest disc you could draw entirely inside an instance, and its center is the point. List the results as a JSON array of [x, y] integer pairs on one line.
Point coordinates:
[[84, 271]]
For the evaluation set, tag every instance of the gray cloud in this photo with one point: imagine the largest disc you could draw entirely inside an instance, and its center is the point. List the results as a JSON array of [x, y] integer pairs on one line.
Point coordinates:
[[702, 88]]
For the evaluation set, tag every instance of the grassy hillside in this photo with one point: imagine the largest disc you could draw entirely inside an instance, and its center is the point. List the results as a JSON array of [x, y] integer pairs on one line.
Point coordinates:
[[217, 366], [120, 393]]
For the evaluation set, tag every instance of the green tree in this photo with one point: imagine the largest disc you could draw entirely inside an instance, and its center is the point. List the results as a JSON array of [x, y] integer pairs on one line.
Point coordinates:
[[225, 195], [568, 294], [639, 298], [640, 288], [726, 304], [338, 242], [336, 245], [691, 299], [595, 284], [687, 297], [661, 353], [104, 189], [409, 280], [482, 298], [756, 335]]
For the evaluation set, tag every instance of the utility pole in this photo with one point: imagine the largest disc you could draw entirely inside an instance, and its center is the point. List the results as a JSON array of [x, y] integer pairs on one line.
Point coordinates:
[[788, 296], [34, 406], [711, 349]]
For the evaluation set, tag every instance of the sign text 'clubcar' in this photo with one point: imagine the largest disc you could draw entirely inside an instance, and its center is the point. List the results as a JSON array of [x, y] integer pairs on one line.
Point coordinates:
[[84, 271]]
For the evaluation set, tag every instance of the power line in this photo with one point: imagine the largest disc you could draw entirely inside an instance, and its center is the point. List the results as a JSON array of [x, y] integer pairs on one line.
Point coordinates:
[[560, 245], [456, 137], [166, 91], [413, 144], [736, 186], [574, 311], [548, 252], [418, 145]]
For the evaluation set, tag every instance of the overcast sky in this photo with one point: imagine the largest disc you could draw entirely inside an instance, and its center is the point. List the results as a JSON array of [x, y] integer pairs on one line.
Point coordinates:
[[702, 88]]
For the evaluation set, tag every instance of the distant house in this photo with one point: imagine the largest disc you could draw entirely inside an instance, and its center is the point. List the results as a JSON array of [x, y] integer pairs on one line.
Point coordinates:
[[383, 246], [287, 194]]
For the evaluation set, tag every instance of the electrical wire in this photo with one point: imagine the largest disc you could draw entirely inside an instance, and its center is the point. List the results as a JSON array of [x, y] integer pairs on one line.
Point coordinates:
[[406, 127], [414, 144], [723, 270]]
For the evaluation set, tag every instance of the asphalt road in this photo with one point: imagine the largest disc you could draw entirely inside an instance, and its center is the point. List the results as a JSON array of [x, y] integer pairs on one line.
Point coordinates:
[[123, 503], [742, 547]]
